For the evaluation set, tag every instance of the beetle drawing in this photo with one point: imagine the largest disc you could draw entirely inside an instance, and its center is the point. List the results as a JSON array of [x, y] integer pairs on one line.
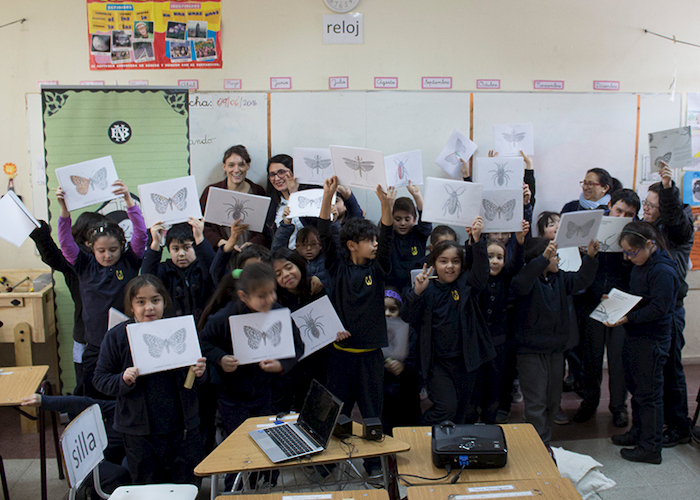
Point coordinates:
[[500, 175], [401, 170], [452, 205], [312, 326], [237, 210]]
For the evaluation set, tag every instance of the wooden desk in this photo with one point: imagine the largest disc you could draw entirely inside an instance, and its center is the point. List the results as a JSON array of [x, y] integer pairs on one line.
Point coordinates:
[[527, 457], [326, 495], [545, 489], [239, 453]]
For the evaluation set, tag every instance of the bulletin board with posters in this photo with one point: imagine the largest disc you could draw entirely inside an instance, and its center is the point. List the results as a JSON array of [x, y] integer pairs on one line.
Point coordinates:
[[154, 34]]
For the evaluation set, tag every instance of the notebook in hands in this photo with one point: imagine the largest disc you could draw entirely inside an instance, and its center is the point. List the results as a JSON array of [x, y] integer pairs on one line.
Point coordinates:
[[309, 434]]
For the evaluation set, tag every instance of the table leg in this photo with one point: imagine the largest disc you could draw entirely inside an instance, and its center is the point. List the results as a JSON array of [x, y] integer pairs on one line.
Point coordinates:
[[45, 388], [214, 486], [42, 454], [390, 476]]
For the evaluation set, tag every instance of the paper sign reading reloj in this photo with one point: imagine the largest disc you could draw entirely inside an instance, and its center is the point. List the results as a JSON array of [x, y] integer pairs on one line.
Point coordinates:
[[343, 29]]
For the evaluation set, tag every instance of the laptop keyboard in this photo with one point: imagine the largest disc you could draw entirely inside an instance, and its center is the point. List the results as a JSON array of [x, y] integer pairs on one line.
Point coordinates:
[[288, 440]]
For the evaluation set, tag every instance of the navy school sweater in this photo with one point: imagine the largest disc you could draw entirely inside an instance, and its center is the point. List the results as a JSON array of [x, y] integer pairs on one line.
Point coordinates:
[[407, 251]]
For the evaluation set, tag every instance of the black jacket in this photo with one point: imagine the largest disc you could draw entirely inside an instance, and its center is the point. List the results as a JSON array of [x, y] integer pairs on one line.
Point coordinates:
[[407, 251]]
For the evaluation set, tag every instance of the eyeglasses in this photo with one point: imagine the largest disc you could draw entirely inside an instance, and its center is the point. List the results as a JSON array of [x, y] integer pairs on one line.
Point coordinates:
[[645, 203], [589, 184], [631, 255], [282, 173], [309, 245]]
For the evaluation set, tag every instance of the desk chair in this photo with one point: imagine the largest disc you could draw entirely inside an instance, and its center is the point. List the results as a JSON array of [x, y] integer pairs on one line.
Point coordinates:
[[84, 442]]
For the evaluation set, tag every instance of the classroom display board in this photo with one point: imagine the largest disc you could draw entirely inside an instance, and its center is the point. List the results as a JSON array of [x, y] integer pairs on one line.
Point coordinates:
[[154, 34]]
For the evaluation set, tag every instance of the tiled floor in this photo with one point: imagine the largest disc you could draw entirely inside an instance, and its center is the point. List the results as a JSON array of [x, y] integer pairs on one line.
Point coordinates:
[[677, 478]]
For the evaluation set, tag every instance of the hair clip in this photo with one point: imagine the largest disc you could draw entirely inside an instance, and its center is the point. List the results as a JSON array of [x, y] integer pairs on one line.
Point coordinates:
[[236, 273]]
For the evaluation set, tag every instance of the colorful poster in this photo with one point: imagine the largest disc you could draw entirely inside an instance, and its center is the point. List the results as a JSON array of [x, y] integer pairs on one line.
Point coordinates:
[[154, 34]]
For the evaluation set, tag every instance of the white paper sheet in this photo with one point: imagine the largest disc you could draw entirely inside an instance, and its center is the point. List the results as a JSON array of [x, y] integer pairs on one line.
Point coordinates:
[[509, 140], [88, 182], [672, 146], [609, 233], [458, 147], [404, 167], [397, 332], [165, 344], [502, 210], [318, 324], [569, 259], [115, 317], [170, 202], [615, 306], [306, 203], [499, 173], [312, 165], [224, 207], [260, 336], [16, 222], [360, 168], [451, 202], [577, 229]]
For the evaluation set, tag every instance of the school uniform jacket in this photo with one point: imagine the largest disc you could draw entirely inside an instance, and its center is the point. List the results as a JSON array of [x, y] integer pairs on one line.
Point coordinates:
[[407, 251], [477, 346]]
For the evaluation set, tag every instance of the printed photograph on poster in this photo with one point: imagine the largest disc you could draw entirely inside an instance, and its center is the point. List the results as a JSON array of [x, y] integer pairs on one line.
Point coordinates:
[[509, 140], [502, 210], [312, 165], [224, 207], [164, 344], [452, 202], [169, 202], [101, 44], [120, 56], [577, 229], [499, 173], [609, 233], [613, 308], [260, 336], [196, 29], [318, 324], [143, 52], [16, 222], [397, 332], [673, 147], [691, 188], [404, 167], [569, 259], [458, 148], [180, 51], [175, 31], [306, 203], [87, 182], [205, 50], [115, 317], [358, 167], [143, 30], [121, 39]]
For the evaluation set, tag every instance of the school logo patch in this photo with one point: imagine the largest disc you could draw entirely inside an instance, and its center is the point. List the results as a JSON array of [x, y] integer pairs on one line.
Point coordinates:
[[414, 251], [368, 280], [119, 132], [120, 274], [455, 295]]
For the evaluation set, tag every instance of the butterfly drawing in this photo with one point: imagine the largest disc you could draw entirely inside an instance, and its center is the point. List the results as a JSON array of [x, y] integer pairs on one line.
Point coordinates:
[[492, 209], [178, 200], [455, 157], [514, 138], [156, 344], [665, 158], [83, 184], [573, 229], [358, 165], [317, 163], [274, 335], [310, 202]]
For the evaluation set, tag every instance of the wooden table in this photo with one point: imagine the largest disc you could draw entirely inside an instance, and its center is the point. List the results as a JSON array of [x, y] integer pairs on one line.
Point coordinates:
[[326, 495], [545, 489], [239, 453], [527, 458]]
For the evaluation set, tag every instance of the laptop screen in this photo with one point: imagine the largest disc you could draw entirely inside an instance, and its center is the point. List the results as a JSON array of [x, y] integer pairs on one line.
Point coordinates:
[[320, 413]]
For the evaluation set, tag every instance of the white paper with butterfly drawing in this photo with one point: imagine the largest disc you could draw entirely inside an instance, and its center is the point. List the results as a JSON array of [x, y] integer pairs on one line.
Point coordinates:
[[312, 165], [87, 182], [170, 202], [224, 207], [318, 324], [458, 147], [502, 210], [609, 233], [306, 203], [451, 202], [358, 167], [569, 259], [115, 317], [617, 305], [260, 336], [165, 344], [499, 173], [509, 140], [577, 229], [16, 222], [674, 146], [403, 167], [397, 332]]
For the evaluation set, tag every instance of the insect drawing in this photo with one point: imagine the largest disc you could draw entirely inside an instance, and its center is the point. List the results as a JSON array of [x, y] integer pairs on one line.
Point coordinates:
[[156, 345], [506, 209], [83, 184], [455, 157], [317, 163], [312, 326], [452, 205], [401, 170], [178, 200], [665, 158], [358, 165], [606, 245], [274, 335], [237, 210], [563, 263], [500, 175], [514, 138], [602, 314], [310, 202], [573, 229]]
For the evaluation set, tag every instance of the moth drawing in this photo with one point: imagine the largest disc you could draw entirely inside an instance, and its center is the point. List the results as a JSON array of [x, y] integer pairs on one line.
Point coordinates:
[[237, 210], [156, 345], [665, 158], [500, 175], [573, 229], [178, 200], [273, 334], [83, 184], [401, 170], [455, 157], [492, 209], [452, 205], [358, 165], [514, 138], [312, 326], [317, 163], [310, 202]]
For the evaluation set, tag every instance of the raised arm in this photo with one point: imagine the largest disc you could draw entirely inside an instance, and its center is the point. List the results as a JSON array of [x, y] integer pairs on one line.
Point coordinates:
[[386, 232], [69, 248]]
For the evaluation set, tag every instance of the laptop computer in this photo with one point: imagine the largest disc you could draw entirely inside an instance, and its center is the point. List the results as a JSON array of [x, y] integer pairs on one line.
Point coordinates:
[[309, 434]]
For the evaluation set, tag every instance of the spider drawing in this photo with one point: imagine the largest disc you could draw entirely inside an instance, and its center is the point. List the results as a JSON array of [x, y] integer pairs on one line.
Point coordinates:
[[500, 175], [237, 210], [312, 326], [606, 245], [602, 313], [452, 205]]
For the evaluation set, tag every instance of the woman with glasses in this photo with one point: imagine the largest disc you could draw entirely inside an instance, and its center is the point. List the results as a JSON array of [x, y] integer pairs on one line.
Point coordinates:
[[596, 189], [280, 184]]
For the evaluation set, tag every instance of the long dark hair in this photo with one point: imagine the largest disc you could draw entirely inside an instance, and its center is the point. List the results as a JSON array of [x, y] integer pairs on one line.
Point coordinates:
[[132, 288], [108, 228], [441, 247], [637, 233], [270, 191], [604, 178], [304, 288], [239, 150]]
